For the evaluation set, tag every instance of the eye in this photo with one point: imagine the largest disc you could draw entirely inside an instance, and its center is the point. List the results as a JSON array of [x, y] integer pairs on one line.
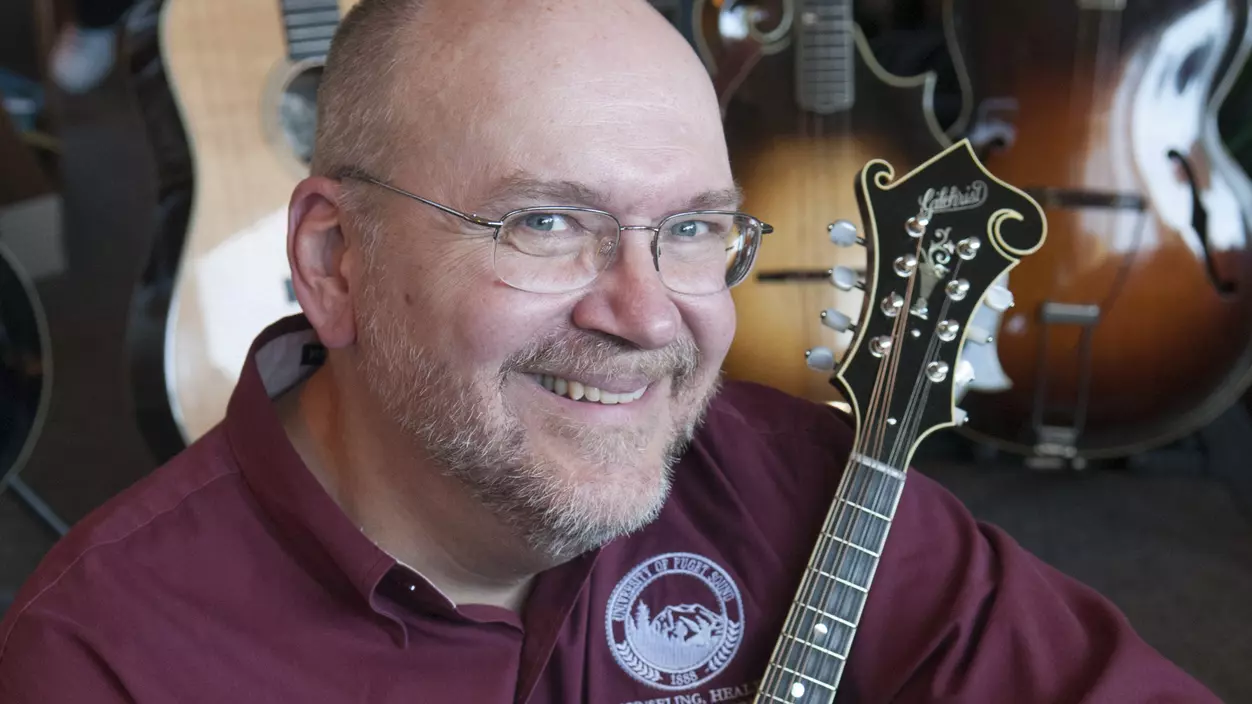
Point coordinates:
[[547, 222], [690, 228]]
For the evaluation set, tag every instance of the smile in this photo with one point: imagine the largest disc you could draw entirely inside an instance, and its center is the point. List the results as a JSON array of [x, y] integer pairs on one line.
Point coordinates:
[[579, 391]]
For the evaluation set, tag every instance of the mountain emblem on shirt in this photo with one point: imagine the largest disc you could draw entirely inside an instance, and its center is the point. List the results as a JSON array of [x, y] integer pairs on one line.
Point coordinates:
[[683, 644]]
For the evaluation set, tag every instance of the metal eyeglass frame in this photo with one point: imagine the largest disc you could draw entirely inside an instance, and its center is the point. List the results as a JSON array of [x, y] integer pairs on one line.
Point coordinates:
[[738, 273]]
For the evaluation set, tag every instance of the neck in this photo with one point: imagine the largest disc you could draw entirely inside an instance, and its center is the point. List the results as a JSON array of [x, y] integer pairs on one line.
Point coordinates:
[[386, 486]]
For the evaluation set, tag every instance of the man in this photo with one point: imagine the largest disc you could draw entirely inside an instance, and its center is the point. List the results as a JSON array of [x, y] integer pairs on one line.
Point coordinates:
[[492, 464]]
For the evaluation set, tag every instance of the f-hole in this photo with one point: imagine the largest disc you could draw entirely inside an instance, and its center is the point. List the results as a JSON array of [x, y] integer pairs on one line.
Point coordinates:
[[1200, 223]]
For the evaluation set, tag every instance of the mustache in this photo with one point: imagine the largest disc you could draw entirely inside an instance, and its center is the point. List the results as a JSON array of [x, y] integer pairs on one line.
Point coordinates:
[[588, 352]]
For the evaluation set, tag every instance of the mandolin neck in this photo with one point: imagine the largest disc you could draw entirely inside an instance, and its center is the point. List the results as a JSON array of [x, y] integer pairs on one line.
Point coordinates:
[[825, 56], [309, 25], [809, 657]]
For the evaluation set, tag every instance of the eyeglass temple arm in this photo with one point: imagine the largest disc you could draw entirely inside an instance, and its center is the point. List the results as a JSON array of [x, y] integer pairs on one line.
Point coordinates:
[[477, 220]]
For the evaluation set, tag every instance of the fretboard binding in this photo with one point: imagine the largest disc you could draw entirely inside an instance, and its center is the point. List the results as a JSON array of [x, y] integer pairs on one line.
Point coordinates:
[[832, 617], [803, 676], [817, 647]]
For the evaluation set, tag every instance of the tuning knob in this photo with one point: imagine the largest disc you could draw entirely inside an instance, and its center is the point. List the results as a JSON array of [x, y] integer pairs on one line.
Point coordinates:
[[821, 359], [960, 416], [835, 320], [843, 233], [999, 299], [845, 279]]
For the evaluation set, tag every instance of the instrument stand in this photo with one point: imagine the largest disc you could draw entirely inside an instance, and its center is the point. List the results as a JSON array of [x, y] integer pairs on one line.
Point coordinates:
[[36, 504], [1056, 445]]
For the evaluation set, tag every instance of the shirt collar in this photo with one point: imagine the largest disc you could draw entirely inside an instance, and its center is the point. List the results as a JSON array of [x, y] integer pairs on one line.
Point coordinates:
[[332, 547]]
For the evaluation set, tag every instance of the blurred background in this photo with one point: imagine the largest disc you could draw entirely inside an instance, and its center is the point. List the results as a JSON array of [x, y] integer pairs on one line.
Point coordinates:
[[147, 151]]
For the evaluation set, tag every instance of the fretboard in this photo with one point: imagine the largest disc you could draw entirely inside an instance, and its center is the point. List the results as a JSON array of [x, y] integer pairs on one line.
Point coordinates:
[[825, 56], [808, 659], [309, 26]]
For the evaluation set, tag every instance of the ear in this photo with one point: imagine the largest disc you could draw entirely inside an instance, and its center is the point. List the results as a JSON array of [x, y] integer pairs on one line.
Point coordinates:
[[320, 261]]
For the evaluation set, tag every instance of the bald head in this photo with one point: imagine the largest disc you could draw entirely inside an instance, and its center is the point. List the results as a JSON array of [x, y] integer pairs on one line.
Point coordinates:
[[434, 89]]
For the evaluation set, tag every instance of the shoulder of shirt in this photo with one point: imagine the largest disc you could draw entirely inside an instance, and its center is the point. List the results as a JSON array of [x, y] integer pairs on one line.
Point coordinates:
[[164, 491], [764, 410]]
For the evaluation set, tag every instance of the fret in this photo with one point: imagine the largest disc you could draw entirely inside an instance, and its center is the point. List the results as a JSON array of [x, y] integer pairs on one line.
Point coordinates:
[[309, 26], [301, 5], [824, 43], [830, 597], [859, 548], [840, 580], [816, 647], [805, 677], [312, 17], [832, 617], [863, 509], [297, 34], [865, 528]]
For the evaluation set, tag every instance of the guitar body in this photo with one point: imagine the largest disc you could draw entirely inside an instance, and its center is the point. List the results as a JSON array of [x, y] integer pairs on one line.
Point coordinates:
[[248, 113], [796, 167], [1116, 101]]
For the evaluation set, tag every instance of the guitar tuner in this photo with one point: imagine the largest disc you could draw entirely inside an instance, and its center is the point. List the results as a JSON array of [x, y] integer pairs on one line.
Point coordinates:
[[845, 279], [837, 321], [820, 359], [916, 226], [968, 248], [843, 233]]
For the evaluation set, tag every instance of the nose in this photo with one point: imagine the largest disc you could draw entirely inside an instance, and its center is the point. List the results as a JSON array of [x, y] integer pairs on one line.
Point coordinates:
[[628, 299]]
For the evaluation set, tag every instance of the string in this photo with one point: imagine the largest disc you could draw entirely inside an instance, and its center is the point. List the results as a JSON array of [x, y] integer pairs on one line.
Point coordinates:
[[878, 410]]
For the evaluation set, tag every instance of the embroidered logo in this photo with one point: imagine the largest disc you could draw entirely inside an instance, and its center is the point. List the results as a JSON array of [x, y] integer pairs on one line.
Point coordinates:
[[674, 646]]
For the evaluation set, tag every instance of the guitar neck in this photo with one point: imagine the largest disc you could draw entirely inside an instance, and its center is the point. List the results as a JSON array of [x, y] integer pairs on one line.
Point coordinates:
[[309, 26], [809, 657], [825, 56]]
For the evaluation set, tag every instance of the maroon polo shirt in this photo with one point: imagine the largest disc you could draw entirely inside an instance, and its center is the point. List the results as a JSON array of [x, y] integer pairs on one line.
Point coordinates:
[[229, 575]]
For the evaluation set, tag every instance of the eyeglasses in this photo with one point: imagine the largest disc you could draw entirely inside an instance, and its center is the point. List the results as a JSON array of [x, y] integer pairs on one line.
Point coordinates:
[[562, 249]]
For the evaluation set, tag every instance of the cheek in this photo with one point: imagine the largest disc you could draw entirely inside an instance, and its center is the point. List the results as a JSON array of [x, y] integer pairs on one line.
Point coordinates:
[[712, 324]]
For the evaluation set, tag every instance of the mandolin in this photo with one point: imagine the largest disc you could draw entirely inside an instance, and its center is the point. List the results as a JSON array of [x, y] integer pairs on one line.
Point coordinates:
[[925, 253], [806, 105], [244, 74], [1135, 326]]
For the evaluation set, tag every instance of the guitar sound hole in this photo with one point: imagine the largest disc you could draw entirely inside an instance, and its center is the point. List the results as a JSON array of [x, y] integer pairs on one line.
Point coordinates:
[[297, 112]]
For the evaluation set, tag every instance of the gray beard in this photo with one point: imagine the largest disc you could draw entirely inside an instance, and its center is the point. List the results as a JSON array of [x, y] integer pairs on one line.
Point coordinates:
[[469, 434]]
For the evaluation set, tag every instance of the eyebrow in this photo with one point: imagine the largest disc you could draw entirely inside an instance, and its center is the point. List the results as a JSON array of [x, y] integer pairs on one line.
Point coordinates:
[[511, 191]]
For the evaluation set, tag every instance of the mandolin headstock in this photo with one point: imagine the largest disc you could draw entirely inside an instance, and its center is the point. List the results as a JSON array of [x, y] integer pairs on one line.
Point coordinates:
[[937, 240]]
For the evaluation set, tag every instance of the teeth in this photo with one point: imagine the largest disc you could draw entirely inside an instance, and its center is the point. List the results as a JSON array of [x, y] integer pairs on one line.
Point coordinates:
[[579, 392]]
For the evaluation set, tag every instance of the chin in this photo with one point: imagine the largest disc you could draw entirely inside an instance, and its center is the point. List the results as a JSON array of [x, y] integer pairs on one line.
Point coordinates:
[[592, 500]]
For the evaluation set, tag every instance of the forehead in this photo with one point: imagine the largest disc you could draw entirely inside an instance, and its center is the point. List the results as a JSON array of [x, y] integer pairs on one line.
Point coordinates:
[[604, 94]]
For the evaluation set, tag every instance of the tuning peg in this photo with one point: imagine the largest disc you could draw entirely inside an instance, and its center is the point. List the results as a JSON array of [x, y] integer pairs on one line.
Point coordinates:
[[845, 279], [821, 359], [960, 416], [843, 233], [999, 299], [835, 320]]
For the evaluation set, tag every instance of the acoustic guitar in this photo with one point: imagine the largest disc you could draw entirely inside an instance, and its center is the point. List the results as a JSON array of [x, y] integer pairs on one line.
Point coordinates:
[[1135, 326], [897, 374], [245, 76], [806, 105]]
